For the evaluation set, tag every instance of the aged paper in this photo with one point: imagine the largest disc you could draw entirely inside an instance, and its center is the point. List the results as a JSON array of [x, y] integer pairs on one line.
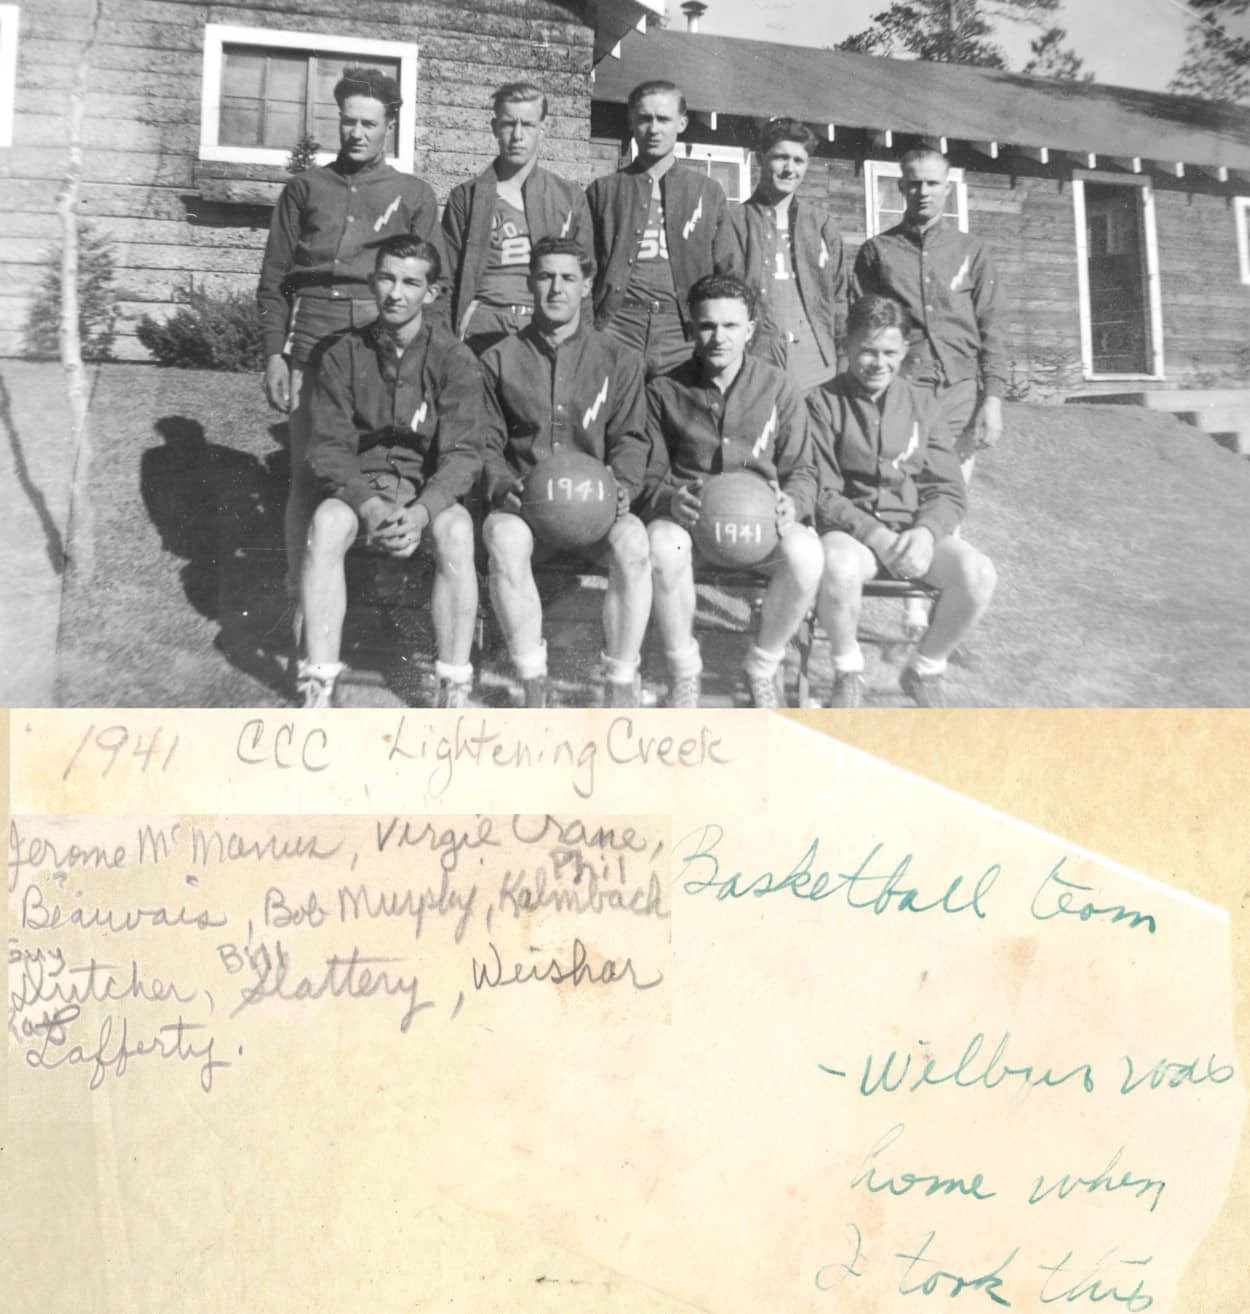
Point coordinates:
[[422, 1012]]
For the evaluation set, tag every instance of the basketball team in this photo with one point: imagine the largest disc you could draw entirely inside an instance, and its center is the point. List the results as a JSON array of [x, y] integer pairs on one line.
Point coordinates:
[[638, 377]]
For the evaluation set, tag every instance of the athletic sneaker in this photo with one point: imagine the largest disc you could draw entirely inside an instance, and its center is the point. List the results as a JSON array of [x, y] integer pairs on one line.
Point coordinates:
[[452, 693], [316, 690], [535, 691], [924, 690], [622, 693], [685, 691], [762, 690], [848, 689]]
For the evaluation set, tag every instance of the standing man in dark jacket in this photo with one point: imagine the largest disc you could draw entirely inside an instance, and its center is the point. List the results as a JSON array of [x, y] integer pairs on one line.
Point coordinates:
[[396, 419], [491, 222], [794, 261], [314, 280], [946, 282], [560, 382], [659, 227]]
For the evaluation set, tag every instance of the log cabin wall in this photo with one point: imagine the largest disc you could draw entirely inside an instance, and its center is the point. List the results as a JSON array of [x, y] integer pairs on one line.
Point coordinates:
[[176, 220]]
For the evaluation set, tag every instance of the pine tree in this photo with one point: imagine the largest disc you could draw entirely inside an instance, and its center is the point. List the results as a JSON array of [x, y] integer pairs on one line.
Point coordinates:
[[963, 32], [1216, 65]]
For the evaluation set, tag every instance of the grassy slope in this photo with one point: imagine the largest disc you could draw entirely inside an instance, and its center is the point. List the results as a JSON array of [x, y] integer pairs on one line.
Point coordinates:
[[1118, 535]]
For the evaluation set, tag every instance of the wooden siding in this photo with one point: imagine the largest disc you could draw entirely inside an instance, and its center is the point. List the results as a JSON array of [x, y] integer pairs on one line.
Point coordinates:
[[144, 185]]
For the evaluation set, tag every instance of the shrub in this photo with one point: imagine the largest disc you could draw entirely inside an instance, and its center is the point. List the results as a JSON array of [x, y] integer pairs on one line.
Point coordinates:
[[97, 310], [210, 332], [304, 156]]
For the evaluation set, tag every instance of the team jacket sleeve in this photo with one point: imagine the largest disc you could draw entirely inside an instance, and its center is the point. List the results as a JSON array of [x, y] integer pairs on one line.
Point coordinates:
[[455, 227], [943, 497], [796, 470], [834, 510], [460, 414], [659, 483], [497, 475], [625, 437], [865, 279], [582, 230], [333, 438], [838, 277], [987, 302], [727, 257], [284, 231]]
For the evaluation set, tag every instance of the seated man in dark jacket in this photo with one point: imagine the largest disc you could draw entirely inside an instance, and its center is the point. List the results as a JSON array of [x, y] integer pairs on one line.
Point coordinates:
[[720, 412], [396, 418], [890, 498], [560, 382]]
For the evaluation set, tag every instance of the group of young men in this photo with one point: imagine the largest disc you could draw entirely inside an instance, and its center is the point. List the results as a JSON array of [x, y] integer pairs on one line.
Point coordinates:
[[649, 324]]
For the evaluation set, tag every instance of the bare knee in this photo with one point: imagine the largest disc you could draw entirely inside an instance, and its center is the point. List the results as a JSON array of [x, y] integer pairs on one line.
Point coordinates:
[[982, 578], [804, 556], [629, 546], [509, 544], [332, 529], [671, 552], [842, 566], [453, 536]]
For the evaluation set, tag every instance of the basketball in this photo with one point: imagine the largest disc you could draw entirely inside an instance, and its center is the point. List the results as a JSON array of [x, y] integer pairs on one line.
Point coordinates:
[[569, 499], [737, 524]]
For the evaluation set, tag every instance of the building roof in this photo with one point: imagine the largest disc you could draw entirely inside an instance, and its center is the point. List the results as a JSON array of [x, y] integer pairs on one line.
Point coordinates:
[[760, 79]]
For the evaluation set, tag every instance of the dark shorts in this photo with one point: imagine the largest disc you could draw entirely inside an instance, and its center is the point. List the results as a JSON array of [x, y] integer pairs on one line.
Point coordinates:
[[314, 318], [653, 328], [484, 324]]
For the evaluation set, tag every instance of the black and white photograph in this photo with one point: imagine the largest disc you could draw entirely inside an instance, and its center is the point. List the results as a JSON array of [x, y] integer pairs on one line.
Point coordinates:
[[616, 353]]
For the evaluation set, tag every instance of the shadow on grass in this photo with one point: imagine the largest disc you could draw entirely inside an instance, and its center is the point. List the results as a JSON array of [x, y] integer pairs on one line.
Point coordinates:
[[220, 510], [54, 545]]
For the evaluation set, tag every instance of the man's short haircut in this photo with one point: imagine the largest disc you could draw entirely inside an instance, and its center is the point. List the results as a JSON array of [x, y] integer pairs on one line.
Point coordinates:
[[518, 93], [919, 153], [561, 246], [656, 87], [369, 82], [776, 130], [873, 313], [721, 287], [403, 246]]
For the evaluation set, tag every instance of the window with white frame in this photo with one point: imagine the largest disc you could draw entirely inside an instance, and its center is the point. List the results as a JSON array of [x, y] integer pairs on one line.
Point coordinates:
[[1241, 215], [729, 165], [265, 89], [10, 16], [883, 202]]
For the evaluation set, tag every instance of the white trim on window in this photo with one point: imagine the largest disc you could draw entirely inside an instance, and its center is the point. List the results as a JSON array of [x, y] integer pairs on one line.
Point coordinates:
[[10, 19], [705, 152], [1241, 215], [1149, 233], [735, 155], [875, 170], [218, 35]]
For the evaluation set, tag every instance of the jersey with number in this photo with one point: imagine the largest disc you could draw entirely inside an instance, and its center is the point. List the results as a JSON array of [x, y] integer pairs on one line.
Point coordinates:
[[505, 279], [784, 293], [652, 275]]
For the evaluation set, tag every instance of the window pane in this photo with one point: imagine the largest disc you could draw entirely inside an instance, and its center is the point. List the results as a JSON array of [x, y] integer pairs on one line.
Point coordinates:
[[269, 95], [263, 95], [727, 174], [329, 68]]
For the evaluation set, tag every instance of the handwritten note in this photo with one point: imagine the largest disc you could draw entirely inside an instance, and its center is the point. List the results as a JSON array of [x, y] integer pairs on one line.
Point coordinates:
[[742, 1016]]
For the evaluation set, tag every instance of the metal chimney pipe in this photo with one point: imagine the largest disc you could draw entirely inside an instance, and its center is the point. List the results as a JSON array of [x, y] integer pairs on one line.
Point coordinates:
[[694, 10]]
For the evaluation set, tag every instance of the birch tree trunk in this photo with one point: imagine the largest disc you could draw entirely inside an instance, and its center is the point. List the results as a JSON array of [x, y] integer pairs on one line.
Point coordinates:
[[80, 535]]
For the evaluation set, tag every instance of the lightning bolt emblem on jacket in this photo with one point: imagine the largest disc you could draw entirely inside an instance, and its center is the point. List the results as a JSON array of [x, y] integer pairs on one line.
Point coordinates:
[[591, 413]]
